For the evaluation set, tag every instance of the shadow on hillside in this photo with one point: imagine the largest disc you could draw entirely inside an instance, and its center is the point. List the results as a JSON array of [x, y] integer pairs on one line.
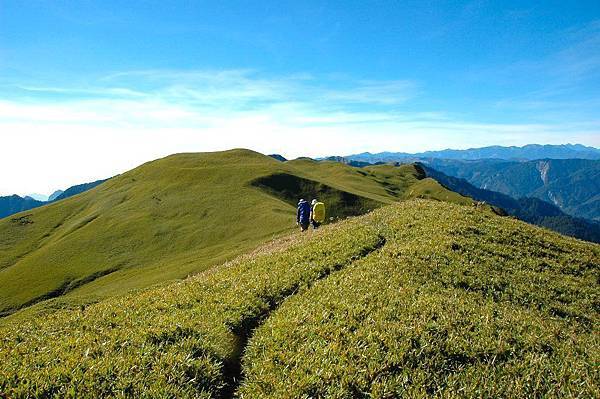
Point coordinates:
[[340, 204]]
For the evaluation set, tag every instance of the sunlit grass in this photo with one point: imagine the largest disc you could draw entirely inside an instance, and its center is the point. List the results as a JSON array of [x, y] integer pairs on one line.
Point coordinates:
[[457, 304], [417, 299]]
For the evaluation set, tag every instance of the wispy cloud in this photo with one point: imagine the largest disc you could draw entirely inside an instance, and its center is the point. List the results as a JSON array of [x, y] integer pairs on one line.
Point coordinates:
[[571, 70], [127, 118], [374, 92], [189, 99], [105, 91], [247, 85], [580, 59]]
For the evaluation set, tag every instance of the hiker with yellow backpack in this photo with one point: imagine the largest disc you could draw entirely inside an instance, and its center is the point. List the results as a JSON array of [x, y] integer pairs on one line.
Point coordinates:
[[317, 213]]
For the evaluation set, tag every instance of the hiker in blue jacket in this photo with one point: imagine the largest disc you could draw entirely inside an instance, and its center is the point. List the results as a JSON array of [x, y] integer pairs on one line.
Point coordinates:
[[303, 215]]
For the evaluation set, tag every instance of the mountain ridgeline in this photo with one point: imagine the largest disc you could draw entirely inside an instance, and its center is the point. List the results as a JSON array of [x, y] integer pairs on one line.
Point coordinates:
[[573, 185], [177, 216], [527, 152], [55, 195], [12, 204], [536, 183], [78, 189]]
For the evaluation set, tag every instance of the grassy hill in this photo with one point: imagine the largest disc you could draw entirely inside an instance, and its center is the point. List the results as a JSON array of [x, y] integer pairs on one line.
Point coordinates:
[[174, 217], [419, 298]]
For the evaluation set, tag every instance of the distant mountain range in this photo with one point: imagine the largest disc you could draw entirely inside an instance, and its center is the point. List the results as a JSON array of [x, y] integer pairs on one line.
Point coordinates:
[[573, 185], [80, 188], [55, 195], [567, 176], [37, 197], [527, 152], [560, 194], [531, 210], [12, 204]]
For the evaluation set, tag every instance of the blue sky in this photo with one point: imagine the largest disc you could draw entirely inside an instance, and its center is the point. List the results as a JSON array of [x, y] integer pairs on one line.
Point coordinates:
[[106, 85]]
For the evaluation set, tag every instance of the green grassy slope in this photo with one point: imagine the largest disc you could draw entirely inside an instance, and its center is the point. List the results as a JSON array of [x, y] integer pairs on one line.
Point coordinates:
[[418, 298], [165, 220], [456, 304]]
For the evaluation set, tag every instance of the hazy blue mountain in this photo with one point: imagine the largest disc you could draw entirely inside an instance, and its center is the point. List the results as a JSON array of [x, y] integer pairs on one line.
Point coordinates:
[[531, 210], [12, 204], [55, 195], [573, 185], [527, 152], [80, 188], [37, 197]]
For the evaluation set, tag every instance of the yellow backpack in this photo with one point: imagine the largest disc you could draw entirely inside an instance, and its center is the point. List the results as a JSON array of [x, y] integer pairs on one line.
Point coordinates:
[[319, 212]]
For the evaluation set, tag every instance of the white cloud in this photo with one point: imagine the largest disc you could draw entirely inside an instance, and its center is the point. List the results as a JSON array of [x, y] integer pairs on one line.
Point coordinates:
[[384, 93], [130, 118]]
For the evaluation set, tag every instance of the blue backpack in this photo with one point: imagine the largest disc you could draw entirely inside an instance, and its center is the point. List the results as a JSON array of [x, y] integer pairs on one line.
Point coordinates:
[[303, 216]]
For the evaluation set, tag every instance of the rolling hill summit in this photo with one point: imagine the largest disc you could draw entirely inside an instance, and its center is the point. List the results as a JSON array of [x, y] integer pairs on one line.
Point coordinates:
[[187, 277]]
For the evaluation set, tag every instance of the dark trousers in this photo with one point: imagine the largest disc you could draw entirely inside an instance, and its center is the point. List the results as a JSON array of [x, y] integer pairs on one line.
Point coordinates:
[[315, 224]]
